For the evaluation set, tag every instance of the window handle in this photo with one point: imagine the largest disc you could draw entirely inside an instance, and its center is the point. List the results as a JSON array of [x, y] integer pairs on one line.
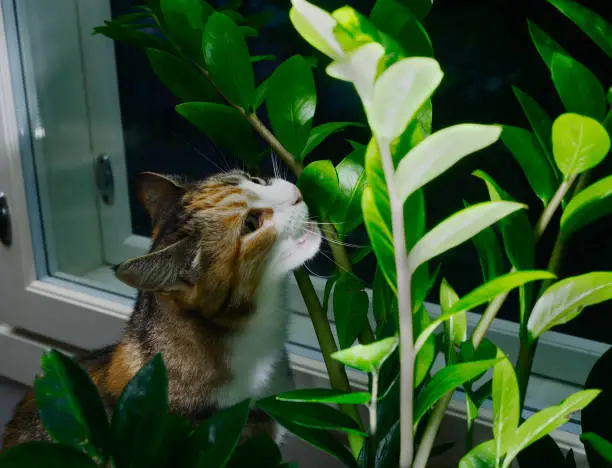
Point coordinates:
[[6, 234]]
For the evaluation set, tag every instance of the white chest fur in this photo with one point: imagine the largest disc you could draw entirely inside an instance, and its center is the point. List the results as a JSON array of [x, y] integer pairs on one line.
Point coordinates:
[[256, 354]]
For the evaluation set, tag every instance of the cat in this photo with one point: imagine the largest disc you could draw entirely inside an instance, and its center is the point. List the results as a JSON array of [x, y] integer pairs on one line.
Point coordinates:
[[210, 297]]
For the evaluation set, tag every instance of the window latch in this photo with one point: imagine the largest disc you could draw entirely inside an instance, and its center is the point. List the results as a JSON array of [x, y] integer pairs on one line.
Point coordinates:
[[6, 232], [104, 179]]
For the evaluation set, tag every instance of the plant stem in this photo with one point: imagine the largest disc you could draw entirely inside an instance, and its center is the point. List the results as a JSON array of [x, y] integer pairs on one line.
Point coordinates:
[[404, 305], [373, 412], [431, 431], [487, 318], [327, 343], [552, 206]]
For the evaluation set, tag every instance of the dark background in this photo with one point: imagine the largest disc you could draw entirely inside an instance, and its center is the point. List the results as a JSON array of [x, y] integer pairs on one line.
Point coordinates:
[[484, 48]]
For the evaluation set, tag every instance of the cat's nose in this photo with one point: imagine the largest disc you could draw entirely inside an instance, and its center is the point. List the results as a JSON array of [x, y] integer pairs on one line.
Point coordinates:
[[297, 196]]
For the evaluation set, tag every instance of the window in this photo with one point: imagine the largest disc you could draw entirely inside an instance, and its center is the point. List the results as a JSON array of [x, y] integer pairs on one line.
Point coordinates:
[[72, 104]]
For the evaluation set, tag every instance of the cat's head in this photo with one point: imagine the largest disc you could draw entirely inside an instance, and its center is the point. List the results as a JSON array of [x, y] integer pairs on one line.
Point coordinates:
[[216, 241]]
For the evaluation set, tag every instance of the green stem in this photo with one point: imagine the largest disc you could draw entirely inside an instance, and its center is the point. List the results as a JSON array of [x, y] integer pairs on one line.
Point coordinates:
[[431, 431], [373, 411], [524, 365], [327, 343]]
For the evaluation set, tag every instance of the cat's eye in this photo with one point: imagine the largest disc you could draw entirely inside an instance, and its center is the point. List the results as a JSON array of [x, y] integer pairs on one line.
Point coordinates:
[[251, 223]]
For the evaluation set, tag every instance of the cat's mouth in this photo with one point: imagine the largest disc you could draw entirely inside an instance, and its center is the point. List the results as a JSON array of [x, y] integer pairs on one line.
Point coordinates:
[[311, 231]]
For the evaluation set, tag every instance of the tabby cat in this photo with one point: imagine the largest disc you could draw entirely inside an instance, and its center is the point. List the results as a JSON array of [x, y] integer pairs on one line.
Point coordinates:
[[210, 297]]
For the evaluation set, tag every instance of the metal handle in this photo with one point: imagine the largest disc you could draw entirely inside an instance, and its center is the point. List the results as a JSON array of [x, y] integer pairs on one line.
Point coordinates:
[[6, 234]]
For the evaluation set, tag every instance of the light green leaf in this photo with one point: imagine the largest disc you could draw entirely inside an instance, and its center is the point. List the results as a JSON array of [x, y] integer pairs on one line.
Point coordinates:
[[440, 151], [320, 133], [455, 326], [481, 456], [426, 355], [181, 78], [593, 25], [527, 151], [579, 143], [546, 421], [351, 304], [186, 20], [325, 395], [545, 44], [458, 228], [291, 100], [367, 358], [346, 211], [599, 444], [228, 61], [579, 89], [214, 120], [587, 206], [384, 302], [316, 26], [319, 185], [447, 380], [399, 92], [540, 123], [506, 406], [565, 299]]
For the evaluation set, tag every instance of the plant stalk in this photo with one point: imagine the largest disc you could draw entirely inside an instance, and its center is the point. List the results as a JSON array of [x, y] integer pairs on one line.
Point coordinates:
[[552, 207], [373, 412], [327, 343], [404, 305], [431, 431]]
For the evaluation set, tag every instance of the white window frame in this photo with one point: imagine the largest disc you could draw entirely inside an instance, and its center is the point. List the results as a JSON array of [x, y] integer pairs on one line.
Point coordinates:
[[61, 313]]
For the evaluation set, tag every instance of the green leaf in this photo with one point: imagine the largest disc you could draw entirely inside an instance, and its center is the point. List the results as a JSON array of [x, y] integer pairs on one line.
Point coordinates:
[[427, 353], [351, 305], [489, 253], [579, 143], [214, 120], [316, 26], [594, 26], [587, 206], [318, 183], [262, 58], [400, 92], [399, 22], [579, 89], [367, 358], [177, 431], [319, 133], [481, 456], [506, 406], [259, 451], [440, 151], [419, 7], [44, 455], [545, 44], [546, 421], [180, 77], [325, 395], [446, 380], [346, 211], [214, 441], [70, 406], [599, 444], [138, 422], [384, 302], [528, 153], [540, 123], [130, 36], [228, 61], [565, 299], [291, 100], [311, 415], [360, 254], [456, 326], [329, 285], [458, 228], [260, 93], [185, 20]]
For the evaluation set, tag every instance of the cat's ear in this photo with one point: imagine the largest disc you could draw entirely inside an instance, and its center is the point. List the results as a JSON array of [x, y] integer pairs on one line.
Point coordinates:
[[165, 270], [157, 191]]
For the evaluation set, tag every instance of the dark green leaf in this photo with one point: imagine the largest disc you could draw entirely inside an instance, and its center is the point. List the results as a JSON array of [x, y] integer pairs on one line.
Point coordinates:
[[447, 380], [587, 206], [228, 61], [360, 254], [247, 31], [176, 434], [397, 21], [367, 358], [320, 133], [579, 89], [329, 285], [387, 451], [70, 406], [579, 143], [44, 455], [351, 304], [139, 417], [318, 183], [419, 7], [180, 77], [540, 123], [291, 100], [384, 302], [545, 44], [593, 25], [346, 211], [260, 93], [426, 355], [214, 120], [325, 395], [527, 151], [489, 253], [257, 452], [544, 452], [185, 21], [214, 441], [131, 36], [483, 393], [262, 58], [599, 444], [311, 415]]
